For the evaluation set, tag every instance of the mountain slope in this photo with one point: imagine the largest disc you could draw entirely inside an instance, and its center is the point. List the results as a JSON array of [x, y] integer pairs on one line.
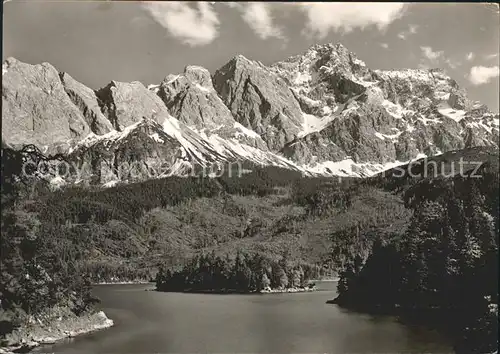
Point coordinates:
[[378, 116], [321, 112], [36, 108], [191, 98]]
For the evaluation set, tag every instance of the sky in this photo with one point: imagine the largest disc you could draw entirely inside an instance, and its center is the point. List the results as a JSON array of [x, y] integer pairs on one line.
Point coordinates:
[[99, 41]]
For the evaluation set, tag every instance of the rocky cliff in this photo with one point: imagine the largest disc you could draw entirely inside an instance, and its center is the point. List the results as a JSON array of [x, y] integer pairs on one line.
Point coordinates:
[[323, 111]]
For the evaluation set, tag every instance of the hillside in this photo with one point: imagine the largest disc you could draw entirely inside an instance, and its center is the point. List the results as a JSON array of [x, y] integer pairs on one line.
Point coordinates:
[[443, 269], [130, 231]]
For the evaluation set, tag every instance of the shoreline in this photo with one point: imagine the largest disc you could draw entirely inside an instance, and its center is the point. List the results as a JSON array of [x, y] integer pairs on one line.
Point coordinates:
[[235, 292], [288, 290], [61, 325], [325, 280], [124, 283]]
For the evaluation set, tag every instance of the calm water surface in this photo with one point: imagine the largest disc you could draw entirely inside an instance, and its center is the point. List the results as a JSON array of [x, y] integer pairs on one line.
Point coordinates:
[[153, 322]]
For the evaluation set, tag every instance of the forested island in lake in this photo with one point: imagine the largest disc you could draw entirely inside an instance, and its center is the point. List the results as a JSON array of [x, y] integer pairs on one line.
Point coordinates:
[[244, 274]]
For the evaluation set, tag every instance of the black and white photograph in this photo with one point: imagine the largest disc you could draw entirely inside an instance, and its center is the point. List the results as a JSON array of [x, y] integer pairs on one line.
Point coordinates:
[[183, 177]]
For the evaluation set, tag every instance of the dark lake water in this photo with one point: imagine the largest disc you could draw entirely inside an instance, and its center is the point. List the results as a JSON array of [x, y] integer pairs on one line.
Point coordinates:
[[153, 322]]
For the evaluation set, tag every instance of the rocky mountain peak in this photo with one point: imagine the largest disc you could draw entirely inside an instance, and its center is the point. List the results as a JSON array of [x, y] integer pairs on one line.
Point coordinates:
[[86, 100], [191, 98], [260, 100], [239, 58], [36, 108], [125, 103], [323, 111], [198, 75]]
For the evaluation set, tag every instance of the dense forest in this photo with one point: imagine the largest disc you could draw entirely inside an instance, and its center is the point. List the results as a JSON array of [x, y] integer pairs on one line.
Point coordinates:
[[443, 270], [407, 243], [37, 269], [56, 243], [245, 273]]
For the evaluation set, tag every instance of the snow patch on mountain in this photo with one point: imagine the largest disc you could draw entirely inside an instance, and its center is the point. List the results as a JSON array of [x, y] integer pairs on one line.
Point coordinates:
[[314, 124], [156, 137], [202, 88], [233, 150], [171, 78], [153, 87], [388, 136], [349, 168], [245, 131], [112, 136], [396, 110], [302, 78], [428, 121], [447, 111]]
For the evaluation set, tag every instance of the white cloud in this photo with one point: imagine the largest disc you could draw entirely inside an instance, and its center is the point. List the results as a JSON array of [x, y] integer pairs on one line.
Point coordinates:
[[491, 56], [432, 55], [480, 75], [194, 27], [258, 16], [470, 56], [325, 17], [402, 35], [384, 45], [436, 59]]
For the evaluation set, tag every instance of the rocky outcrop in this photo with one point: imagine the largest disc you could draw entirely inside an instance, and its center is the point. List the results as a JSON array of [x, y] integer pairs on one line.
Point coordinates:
[[192, 99], [260, 100], [86, 100], [147, 150], [127, 103], [36, 108], [379, 117], [57, 324], [143, 151], [324, 77]]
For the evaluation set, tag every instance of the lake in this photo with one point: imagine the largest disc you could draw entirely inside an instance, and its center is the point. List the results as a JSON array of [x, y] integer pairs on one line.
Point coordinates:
[[154, 322]]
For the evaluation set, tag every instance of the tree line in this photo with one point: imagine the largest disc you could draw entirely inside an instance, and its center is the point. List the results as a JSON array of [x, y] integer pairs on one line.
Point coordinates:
[[443, 269], [244, 273]]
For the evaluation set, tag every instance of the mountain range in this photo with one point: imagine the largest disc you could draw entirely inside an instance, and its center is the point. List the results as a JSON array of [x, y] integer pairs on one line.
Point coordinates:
[[323, 112]]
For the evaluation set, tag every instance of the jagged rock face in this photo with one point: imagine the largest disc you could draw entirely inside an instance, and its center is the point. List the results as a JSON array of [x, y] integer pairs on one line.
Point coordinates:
[[323, 77], [36, 108], [378, 116], [144, 152], [351, 135], [127, 103], [260, 100], [86, 100], [410, 87], [322, 112], [191, 98], [148, 150]]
